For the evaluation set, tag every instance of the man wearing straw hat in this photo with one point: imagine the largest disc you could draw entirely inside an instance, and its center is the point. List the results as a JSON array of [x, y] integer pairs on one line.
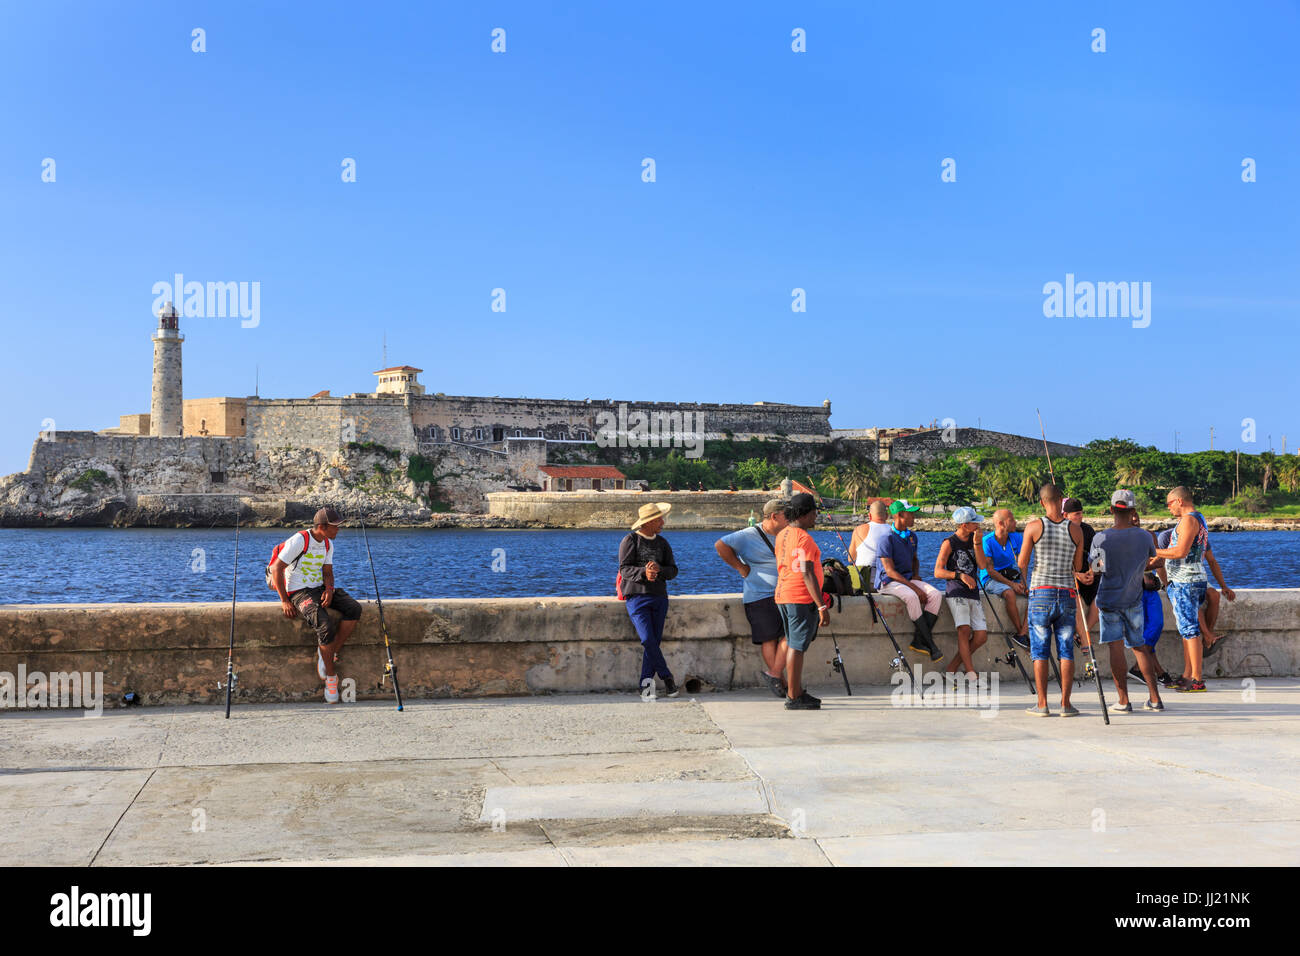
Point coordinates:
[[646, 564]]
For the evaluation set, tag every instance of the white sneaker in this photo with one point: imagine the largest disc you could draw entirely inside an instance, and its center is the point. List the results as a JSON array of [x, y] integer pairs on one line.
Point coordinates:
[[320, 664], [332, 689]]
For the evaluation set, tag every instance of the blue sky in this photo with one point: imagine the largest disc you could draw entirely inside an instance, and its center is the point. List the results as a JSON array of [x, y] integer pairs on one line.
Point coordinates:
[[775, 170]]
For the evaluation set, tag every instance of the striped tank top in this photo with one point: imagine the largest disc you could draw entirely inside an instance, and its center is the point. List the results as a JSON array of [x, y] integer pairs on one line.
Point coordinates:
[[1054, 556], [1189, 570]]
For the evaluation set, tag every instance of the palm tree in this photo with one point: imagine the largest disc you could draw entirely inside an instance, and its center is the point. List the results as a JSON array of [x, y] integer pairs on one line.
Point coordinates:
[[1128, 474], [1288, 473], [830, 477], [858, 479]]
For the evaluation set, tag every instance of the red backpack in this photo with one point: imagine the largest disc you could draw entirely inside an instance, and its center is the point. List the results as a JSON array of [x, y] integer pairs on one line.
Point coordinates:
[[275, 556]]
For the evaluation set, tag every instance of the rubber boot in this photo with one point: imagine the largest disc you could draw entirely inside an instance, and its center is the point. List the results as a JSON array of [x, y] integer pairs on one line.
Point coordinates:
[[923, 627]]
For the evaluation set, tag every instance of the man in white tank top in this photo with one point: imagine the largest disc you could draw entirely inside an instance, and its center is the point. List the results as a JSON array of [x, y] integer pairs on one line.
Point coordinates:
[[1057, 547]]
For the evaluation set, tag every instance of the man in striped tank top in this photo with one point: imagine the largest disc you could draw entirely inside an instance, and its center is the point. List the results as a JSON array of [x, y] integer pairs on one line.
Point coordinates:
[[1187, 581], [1057, 547]]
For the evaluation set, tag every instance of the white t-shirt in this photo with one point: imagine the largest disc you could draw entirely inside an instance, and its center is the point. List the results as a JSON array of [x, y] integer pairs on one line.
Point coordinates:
[[308, 573], [866, 556]]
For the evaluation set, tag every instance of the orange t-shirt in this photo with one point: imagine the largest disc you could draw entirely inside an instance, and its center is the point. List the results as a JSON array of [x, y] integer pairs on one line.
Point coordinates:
[[794, 546]]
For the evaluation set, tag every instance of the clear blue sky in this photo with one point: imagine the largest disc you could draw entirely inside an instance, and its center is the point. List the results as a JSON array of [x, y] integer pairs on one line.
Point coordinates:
[[775, 170]]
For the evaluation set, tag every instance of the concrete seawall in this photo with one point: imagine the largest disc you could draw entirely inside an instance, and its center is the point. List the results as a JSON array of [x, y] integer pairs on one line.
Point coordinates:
[[176, 653]]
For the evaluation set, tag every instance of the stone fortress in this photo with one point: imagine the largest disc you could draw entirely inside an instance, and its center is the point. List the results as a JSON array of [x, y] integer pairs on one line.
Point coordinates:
[[198, 459]]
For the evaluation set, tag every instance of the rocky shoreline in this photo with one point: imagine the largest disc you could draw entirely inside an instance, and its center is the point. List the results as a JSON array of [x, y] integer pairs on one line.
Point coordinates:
[[382, 514]]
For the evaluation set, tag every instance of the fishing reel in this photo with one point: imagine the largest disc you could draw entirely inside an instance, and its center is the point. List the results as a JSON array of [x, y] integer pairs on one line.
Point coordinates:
[[234, 679], [898, 663], [388, 672], [1089, 670], [836, 665], [1009, 659]]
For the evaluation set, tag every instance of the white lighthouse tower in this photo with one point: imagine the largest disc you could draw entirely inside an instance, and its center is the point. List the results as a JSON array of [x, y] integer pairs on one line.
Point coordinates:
[[167, 407]]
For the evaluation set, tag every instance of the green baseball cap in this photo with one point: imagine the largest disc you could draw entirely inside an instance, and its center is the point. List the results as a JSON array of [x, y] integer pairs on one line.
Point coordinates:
[[902, 504]]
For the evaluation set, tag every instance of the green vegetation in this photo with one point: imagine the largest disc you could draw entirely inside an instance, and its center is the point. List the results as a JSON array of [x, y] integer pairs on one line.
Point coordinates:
[[1268, 483], [90, 478], [374, 447]]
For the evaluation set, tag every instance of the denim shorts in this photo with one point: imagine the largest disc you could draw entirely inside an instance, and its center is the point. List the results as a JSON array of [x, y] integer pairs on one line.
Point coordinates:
[[801, 622], [996, 588], [1186, 597], [1127, 625], [1051, 614]]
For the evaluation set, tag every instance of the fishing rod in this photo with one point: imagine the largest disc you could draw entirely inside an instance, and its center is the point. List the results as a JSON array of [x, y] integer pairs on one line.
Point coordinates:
[[230, 655], [390, 669], [1091, 666], [1051, 474], [898, 662], [1011, 657]]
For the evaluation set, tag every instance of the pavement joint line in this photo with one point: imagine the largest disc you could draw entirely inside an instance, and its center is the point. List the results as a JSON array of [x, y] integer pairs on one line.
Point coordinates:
[[768, 796], [825, 856], [118, 821]]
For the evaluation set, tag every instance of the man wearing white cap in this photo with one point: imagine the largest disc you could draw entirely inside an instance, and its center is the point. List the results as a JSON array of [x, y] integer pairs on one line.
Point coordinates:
[[646, 564], [1122, 554], [961, 558]]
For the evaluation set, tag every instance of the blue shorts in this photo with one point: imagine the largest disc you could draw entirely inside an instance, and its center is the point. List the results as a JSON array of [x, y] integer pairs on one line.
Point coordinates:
[[801, 621], [996, 588], [1051, 615], [1154, 619], [1187, 597], [1126, 625]]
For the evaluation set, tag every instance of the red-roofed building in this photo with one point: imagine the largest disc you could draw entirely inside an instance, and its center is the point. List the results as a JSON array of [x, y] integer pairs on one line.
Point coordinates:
[[581, 478]]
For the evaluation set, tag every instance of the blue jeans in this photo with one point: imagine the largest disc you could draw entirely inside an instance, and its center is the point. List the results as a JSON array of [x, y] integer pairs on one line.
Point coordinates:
[[1186, 598], [648, 613], [1126, 625], [1051, 614]]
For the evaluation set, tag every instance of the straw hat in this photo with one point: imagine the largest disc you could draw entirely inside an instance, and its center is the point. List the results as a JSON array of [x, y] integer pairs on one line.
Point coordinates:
[[648, 513]]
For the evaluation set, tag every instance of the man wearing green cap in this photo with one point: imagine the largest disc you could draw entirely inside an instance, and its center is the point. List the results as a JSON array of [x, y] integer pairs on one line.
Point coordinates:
[[898, 572]]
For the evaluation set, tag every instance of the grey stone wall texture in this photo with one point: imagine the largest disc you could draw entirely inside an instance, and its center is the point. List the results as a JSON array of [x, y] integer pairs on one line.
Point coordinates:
[[166, 404], [928, 445]]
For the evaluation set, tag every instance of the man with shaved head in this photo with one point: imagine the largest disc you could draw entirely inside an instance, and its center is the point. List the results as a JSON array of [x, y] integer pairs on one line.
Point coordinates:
[[1002, 579], [864, 547]]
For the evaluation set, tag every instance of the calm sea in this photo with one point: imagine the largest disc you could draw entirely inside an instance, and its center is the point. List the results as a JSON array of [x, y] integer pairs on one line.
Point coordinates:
[[94, 565]]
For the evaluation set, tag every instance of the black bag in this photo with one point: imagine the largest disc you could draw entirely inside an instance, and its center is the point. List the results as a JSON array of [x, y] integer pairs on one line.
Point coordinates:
[[836, 580]]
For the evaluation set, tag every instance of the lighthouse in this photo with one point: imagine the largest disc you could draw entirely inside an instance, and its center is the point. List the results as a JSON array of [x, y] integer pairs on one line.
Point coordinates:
[[166, 407]]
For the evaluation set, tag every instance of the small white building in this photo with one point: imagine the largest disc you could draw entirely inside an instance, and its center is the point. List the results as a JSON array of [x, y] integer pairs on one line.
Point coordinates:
[[399, 380]]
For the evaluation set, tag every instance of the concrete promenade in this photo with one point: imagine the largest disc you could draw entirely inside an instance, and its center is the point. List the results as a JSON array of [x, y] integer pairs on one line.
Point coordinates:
[[603, 779]]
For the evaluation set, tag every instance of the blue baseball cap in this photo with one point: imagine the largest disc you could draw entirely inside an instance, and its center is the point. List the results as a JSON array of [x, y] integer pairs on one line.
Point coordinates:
[[966, 516]]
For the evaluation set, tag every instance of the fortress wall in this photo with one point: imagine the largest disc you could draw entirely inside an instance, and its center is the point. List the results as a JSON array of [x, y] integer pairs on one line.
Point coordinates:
[[927, 445], [561, 417], [176, 653], [327, 423], [617, 509], [132, 454]]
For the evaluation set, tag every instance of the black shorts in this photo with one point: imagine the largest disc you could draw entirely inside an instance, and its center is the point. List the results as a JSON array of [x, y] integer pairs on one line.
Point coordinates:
[[307, 601], [765, 622], [1088, 592]]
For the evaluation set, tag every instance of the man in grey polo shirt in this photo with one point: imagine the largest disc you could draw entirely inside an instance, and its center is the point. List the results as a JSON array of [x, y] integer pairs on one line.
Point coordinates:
[[752, 553], [1121, 554]]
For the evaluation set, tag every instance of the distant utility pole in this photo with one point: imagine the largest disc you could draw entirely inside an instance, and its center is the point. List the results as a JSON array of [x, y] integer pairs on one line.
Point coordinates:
[[1284, 444], [1211, 438], [1175, 443], [1237, 485]]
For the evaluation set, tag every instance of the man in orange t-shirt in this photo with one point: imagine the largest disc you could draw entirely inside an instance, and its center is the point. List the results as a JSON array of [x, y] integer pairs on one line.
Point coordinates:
[[799, 594]]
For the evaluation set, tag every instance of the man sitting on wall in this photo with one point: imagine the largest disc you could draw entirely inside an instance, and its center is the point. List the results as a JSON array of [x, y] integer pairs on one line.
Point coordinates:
[[302, 574]]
